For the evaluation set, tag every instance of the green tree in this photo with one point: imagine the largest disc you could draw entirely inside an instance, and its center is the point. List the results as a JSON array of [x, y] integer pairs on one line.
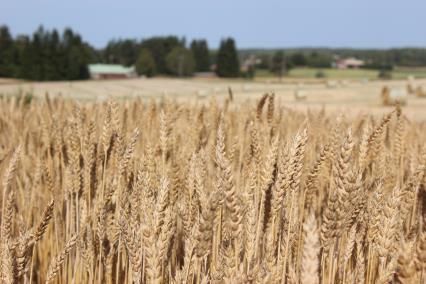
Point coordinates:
[[37, 55], [319, 59], [145, 64], [160, 47], [53, 61], [21, 44], [227, 64], [298, 59], [45, 56], [320, 74], [6, 53], [77, 56], [124, 52], [27, 59], [180, 62], [200, 51]]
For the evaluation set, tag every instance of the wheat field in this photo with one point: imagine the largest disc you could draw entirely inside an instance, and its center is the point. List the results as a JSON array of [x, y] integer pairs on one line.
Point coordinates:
[[209, 192]]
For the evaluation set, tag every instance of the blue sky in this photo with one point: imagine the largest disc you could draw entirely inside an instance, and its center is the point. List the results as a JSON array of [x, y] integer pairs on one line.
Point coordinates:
[[261, 23]]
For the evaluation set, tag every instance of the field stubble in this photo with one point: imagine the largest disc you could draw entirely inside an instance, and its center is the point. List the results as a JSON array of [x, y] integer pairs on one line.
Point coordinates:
[[335, 95]]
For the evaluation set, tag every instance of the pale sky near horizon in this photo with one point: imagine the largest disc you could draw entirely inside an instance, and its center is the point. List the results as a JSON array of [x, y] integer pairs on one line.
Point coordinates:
[[253, 24]]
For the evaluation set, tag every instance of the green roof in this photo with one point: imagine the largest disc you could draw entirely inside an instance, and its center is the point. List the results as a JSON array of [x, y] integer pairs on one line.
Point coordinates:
[[110, 69]]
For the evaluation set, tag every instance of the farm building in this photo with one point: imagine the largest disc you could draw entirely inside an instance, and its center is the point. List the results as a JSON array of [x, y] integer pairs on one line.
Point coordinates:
[[111, 71], [348, 63], [204, 75], [250, 62]]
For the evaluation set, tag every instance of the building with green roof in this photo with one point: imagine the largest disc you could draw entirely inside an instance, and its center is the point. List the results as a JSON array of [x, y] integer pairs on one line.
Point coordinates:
[[111, 71]]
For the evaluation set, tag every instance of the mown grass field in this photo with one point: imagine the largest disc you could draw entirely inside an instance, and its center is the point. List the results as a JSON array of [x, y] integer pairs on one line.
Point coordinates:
[[397, 73]]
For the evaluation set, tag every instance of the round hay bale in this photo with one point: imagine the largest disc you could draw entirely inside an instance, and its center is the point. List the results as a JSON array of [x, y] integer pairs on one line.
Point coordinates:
[[300, 95], [331, 84], [202, 93], [393, 96], [420, 93]]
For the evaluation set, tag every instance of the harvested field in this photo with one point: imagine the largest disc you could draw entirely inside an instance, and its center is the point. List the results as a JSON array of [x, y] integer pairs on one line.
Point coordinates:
[[209, 190], [356, 95]]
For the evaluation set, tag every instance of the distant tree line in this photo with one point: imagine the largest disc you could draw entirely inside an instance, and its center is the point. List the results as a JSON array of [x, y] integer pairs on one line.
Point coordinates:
[[46, 55], [324, 57], [159, 55], [170, 56], [51, 55], [285, 60]]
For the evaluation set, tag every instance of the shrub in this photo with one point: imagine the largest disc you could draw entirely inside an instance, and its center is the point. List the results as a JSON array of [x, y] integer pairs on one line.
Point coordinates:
[[320, 74]]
